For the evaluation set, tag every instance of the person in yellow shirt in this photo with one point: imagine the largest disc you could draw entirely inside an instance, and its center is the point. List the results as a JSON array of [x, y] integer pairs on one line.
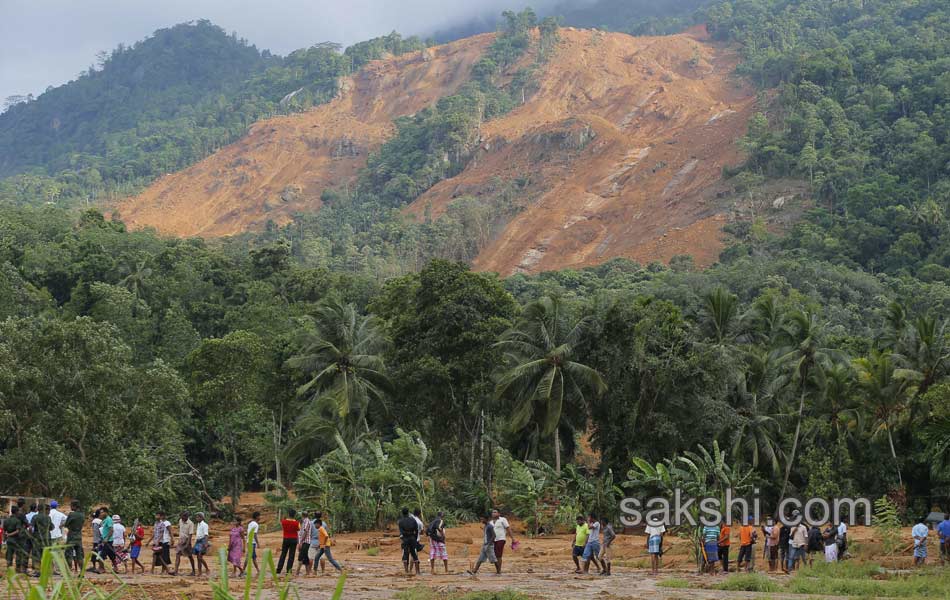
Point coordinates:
[[581, 533], [324, 541]]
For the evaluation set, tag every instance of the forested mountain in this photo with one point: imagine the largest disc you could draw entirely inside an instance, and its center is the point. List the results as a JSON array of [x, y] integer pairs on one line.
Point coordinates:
[[813, 358], [158, 106]]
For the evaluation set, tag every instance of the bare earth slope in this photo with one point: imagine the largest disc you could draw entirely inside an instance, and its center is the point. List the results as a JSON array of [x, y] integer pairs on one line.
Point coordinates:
[[622, 147], [283, 164]]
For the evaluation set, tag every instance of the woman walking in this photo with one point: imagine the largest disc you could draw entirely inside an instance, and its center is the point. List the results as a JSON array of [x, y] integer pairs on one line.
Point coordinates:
[[236, 547]]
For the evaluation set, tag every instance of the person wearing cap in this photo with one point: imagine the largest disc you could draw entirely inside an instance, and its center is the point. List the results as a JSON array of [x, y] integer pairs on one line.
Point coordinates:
[[747, 538], [57, 519], [118, 533]]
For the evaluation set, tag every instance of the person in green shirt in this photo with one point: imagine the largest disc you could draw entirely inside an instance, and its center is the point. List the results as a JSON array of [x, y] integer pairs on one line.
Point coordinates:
[[581, 533], [42, 526], [15, 535], [106, 549], [73, 525]]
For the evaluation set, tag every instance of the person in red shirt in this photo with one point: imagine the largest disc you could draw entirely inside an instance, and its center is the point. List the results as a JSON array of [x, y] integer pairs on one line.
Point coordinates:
[[138, 534], [288, 549]]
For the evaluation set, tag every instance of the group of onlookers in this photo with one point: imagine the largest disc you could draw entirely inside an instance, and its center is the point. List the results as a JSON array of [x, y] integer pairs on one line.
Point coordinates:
[[28, 530]]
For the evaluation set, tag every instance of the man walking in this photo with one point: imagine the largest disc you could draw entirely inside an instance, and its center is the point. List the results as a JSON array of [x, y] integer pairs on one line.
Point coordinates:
[[202, 539], [304, 537], [106, 531], [437, 550], [290, 527], [253, 528], [723, 544], [488, 545], [324, 542], [592, 548], [409, 538], [502, 533], [161, 543], [609, 537], [581, 533], [185, 547]]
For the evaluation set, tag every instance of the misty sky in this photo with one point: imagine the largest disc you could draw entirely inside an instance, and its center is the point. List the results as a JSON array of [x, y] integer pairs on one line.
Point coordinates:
[[48, 42]]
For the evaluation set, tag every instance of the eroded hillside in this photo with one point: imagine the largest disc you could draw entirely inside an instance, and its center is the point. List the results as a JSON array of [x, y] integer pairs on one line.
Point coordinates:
[[620, 152]]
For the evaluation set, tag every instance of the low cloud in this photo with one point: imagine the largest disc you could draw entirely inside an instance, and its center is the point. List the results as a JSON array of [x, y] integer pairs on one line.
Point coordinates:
[[48, 42]]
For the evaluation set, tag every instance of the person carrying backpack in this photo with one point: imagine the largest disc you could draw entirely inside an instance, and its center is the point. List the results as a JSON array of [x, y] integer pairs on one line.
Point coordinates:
[[436, 533]]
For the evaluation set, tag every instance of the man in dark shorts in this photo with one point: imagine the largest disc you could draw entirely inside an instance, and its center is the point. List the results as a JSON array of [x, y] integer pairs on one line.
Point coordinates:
[[15, 535], [409, 538], [73, 525], [502, 533]]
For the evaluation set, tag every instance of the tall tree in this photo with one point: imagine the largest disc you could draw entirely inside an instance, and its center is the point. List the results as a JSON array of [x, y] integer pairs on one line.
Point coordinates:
[[343, 360], [542, 373]]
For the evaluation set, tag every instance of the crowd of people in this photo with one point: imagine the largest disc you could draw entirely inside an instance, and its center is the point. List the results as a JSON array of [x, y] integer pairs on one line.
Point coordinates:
[[306, 540]]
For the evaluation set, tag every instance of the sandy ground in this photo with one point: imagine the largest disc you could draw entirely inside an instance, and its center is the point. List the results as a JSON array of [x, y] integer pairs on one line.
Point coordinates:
[[541, 568]]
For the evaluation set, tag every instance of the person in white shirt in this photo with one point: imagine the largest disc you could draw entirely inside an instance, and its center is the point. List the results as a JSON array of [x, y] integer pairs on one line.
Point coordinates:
[[57, 518], [417, 515], [118, 532], [253, 529], [502, 531], [202, 540]]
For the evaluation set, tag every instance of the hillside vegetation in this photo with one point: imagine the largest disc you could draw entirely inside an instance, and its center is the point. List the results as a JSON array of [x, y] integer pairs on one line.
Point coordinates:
[[340, 354]]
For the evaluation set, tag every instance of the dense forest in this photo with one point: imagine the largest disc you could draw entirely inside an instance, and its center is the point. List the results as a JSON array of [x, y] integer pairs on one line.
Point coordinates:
[[353, 356]]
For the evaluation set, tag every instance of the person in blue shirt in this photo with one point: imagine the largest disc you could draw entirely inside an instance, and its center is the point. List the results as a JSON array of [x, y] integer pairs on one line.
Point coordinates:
[[943, 532], [919, 532]]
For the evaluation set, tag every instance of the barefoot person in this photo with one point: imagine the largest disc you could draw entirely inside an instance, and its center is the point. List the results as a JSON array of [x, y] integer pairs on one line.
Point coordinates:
[[202, 542], [138, 534], [487, 553], [185, 546], [581, 533], [161, 543], [437, 551], [290, 527], [236, 547], [592, 548], [747, 539], [919, 533], [655, 532], [830, 538], [409, 540], [943, 533], [502, 533], [710, 535], [72, 523], [609, 537], [304, 537], [723, 544], [253, 528]]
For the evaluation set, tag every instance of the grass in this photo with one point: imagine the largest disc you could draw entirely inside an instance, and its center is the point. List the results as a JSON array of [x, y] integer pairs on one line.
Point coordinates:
[[374, 551], [748, 582], [70, 587], [870, 580], [673, 582]]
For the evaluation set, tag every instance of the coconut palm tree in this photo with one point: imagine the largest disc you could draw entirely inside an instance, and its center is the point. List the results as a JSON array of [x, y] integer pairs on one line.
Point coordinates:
[[889, 390], [343, 360], [757, 435], [925, 349], [722, 309], [541, 374], [806, 360]]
